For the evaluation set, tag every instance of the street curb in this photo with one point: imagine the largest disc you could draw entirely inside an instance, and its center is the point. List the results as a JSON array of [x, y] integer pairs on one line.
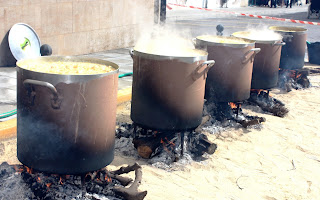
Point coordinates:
[[8, 129]]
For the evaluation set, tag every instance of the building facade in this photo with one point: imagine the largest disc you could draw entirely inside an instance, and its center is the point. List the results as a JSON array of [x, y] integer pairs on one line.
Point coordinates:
[[73, 27]]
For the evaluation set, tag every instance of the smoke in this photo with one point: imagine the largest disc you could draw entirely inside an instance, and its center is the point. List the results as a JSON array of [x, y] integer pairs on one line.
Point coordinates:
[[165, 40]]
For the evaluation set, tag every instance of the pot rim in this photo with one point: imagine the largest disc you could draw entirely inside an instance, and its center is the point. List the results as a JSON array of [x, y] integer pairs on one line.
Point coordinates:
[[289, 29], [209, 43], [186, 59], [257, 41], [65, 78]]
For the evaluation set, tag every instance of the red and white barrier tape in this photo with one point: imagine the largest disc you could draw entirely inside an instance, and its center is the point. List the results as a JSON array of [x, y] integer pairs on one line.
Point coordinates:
[[249, 15]]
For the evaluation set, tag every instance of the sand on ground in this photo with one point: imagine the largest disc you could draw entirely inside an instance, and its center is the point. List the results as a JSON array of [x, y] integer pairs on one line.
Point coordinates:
[[280, 161]]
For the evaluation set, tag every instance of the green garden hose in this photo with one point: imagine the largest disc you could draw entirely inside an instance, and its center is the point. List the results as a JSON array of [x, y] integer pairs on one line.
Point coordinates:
[[125, 74], [8, 114], [13, 112]]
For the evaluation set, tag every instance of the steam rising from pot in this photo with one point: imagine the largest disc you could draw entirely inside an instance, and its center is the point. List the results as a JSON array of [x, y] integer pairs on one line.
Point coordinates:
[[262, 34], [167, 42]]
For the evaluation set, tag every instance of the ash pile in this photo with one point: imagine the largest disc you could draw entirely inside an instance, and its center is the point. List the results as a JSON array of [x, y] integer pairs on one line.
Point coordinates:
[[167, 150]]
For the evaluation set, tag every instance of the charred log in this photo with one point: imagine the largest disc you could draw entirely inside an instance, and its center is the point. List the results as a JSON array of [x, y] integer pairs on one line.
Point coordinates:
[[268, 103], [123, 180], [125, 170], [314, 71], [200, 144], [132, 192]]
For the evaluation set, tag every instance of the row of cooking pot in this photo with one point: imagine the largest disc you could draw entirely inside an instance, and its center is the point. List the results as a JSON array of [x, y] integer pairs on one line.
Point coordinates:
[[168, 92], [66, 122]]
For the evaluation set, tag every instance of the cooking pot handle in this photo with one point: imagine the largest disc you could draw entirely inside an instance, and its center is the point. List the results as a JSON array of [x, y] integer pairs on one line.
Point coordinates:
[[279, 44], [196, 74], [131, 52], [254, 50], [55, 101]]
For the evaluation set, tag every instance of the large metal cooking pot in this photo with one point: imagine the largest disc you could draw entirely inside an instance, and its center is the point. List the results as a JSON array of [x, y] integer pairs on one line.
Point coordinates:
[[230, 79], [66, 123], [266, 63], [293, 53], [168, 91]]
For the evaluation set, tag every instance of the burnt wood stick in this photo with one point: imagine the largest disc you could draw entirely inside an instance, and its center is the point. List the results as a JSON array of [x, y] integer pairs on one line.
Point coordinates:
[[276, 107], [132, 192], [315, 71], [198, 144], [123, 180], [125, 170], [210, 147]]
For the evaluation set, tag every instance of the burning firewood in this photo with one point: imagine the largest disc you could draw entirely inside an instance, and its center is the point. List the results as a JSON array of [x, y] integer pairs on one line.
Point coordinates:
[[146, 146], [294, 79]]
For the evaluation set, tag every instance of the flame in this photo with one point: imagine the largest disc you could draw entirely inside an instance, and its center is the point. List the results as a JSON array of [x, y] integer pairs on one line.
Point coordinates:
[[299, 75], [232, 105], [39, 179], [60, 181], [108, 179], [48, 184], [29, 170]]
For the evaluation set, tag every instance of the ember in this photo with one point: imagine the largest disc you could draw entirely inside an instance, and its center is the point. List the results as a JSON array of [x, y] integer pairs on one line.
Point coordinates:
[[96, 185]]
